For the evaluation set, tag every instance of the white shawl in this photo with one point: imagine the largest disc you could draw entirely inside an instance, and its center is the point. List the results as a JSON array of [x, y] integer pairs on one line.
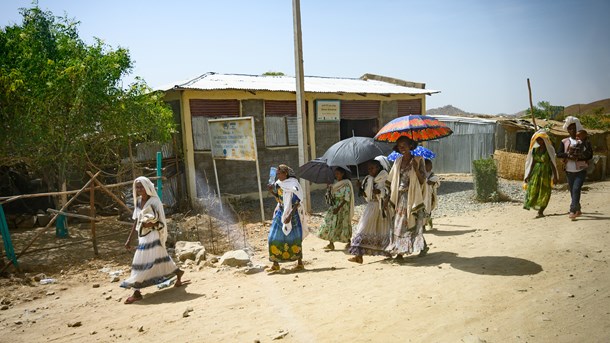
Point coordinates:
[[345, 183], [289, 187], [430, 192], [153, 208], [415, 199], [529, 161], [378, 182]]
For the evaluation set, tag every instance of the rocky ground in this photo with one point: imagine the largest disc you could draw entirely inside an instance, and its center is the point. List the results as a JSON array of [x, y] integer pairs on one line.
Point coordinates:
[[493, 274]]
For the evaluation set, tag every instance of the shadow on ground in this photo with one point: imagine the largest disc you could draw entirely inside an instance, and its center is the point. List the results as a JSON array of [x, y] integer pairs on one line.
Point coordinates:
[[482, 265]]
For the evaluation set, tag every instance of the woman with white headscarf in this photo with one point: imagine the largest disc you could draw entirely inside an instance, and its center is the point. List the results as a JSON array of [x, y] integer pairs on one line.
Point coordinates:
[[372, 234], [151, 264], [288, 225], [540, 172], [575, 164]]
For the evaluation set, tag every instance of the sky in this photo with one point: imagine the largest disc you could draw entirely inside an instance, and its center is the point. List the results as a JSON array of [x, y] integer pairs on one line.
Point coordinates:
[[478, 53]]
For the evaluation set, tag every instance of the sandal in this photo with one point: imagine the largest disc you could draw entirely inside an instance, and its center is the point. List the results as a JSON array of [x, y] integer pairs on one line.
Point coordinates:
[[274, 268], [356, 259], [329, 247], [132, 299], [424, 251], [298, 267]]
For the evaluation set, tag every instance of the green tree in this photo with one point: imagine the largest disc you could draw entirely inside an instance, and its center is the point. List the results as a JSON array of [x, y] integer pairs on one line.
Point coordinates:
[[545, 110], [273, 73], [61, 100]]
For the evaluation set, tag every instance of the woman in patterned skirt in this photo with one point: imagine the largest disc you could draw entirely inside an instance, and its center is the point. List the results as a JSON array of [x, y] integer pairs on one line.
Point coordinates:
[[337, 226], [286, 233]]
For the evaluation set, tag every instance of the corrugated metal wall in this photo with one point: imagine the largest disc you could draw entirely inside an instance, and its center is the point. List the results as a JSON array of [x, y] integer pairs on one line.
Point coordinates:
[[469, 142]]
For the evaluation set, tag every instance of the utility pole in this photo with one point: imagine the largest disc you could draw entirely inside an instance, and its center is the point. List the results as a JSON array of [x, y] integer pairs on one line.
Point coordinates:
[[300, 87]]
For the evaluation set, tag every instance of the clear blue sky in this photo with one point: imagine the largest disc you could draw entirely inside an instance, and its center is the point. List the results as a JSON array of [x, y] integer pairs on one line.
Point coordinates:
[[478, 53]]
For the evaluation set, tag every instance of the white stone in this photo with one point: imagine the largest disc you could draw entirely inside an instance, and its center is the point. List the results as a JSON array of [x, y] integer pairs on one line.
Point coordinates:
[[235, 258], [188, 250]]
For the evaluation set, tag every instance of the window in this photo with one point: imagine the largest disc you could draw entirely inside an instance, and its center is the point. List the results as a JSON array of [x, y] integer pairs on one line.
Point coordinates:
[[203, 110], [359, 118], [281, 123]]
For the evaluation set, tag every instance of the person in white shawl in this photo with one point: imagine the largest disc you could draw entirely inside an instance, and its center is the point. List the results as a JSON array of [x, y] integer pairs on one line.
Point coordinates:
[[337, 226], [289, 224], [372, 234], [151, 264], [406, 179], [540, 172], [430, 188]]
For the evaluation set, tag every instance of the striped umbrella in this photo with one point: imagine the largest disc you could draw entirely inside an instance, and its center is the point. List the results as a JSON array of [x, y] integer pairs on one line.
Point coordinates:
[[418, 128]]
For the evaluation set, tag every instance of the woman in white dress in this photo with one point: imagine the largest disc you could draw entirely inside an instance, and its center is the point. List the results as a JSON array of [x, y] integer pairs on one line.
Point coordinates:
[[151, 264], [372, 234]]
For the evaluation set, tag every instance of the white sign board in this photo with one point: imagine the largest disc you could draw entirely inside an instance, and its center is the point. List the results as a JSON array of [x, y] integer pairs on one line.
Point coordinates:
[[328, 110], [233, 139]]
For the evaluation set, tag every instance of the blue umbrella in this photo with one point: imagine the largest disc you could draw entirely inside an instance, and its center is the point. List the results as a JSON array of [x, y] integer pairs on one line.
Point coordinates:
[[419, 151]]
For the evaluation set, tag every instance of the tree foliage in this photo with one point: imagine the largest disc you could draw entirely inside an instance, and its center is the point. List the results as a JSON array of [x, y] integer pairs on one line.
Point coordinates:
[[62, 104], [545, 110]]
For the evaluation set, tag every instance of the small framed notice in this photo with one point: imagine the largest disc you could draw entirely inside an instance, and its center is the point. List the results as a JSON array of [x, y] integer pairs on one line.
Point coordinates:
[[328, 110]]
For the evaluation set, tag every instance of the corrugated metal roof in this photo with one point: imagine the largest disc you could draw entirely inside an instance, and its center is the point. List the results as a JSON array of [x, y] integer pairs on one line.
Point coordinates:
[[313, 84]]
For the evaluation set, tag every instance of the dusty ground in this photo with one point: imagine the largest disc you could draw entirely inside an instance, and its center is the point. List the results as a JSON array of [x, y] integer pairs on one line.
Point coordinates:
[[497, 275]]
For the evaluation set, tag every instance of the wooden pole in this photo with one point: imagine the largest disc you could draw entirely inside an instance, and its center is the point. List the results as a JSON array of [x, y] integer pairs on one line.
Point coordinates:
[[7, 199], [133, 166], [68, 214], [107, 191], [300, 90], [92, 214], [529, 88], [40, 232]]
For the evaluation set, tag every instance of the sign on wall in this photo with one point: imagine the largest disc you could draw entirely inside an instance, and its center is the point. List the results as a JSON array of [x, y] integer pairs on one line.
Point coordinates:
[[233, 139], [328, 110]]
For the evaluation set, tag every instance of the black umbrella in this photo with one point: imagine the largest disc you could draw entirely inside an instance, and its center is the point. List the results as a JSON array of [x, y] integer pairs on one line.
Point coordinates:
[[318, 171], [355, 150]]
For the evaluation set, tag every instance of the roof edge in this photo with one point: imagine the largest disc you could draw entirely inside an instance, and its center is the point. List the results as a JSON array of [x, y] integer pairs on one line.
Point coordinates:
[[393, 80]]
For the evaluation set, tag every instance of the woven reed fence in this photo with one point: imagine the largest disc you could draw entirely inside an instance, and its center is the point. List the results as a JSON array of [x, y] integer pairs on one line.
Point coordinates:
[[511, 165]]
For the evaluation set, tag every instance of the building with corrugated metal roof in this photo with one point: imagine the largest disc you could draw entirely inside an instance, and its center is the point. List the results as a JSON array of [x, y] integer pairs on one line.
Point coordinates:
[[472, 139], [336, 108]]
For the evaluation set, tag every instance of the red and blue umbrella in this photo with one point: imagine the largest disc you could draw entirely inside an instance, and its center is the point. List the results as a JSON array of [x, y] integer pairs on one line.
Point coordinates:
[[418, 128], [419, 151]]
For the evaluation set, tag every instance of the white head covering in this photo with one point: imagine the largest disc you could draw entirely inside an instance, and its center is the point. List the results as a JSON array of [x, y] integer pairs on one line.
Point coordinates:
[[153, 201], [385, 163], [572, 120]]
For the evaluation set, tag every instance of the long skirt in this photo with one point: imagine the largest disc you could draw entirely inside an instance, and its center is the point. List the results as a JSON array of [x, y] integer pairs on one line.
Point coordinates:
[[539, 187], [282, 247], [404, 239], [372, 234], [336, 227], [151, 263]]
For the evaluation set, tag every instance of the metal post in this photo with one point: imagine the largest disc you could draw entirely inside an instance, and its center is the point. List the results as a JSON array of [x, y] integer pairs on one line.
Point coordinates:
[[6, 238], [159, 172]]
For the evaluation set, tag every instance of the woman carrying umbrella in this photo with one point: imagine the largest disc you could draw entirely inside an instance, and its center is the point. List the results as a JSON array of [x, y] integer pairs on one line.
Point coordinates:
[[337, 226], [406, 179], [372, 234], [286, 233]]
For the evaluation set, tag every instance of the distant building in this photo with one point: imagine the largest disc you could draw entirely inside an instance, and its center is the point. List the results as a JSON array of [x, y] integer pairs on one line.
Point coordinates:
[[352, 106]]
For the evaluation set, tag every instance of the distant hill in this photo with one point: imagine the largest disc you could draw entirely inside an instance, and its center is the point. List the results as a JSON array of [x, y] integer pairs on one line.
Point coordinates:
[[450, 110], [578, 109]]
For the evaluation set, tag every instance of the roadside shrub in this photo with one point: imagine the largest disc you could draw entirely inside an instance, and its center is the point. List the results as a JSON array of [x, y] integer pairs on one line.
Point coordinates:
[[485, 174]]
